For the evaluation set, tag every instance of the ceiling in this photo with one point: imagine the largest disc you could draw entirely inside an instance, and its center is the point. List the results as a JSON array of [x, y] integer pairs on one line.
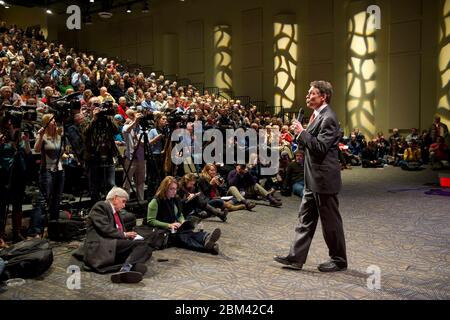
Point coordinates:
[[59, 7]]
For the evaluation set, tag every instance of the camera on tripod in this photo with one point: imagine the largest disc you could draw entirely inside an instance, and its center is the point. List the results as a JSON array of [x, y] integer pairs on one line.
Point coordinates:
[[147, 121], [21, 114], [179, 119], [62, 107], [106, 108]]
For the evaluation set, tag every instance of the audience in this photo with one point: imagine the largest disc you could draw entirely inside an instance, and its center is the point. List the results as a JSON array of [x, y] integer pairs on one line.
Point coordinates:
[[35, 73]]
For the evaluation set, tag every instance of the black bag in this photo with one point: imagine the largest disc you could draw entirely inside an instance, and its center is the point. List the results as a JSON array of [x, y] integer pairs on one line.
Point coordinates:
[[129, 219], [27, 259], [66, 228], [286, 191], [155, 237], [138, 208]]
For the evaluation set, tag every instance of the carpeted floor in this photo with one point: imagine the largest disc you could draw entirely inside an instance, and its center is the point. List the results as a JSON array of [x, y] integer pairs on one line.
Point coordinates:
[[389, 221]]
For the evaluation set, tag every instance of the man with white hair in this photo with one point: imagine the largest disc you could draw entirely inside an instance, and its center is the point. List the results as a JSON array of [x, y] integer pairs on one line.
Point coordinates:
[[109, 247]]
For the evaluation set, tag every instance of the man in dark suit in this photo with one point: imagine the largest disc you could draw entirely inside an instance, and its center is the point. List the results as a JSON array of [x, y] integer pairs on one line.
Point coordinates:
[[109, 247], [322, 184]]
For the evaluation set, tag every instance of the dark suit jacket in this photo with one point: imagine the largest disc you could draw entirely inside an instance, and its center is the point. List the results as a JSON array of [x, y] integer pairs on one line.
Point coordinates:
[[321, 138], [101, 237]]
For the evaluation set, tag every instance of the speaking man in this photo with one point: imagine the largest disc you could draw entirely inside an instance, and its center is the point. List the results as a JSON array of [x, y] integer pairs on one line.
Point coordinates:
[[322, 184]]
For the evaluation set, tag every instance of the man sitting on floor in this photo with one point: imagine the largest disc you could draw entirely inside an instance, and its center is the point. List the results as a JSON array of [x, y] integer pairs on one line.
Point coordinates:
[[246, 183], [109, 247]]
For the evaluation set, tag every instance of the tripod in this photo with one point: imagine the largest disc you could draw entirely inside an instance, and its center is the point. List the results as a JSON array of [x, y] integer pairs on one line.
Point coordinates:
[[102, 149], [129, 164]]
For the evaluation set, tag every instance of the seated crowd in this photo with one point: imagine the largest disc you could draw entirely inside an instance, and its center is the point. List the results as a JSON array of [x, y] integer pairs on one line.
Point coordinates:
[[94, 116]]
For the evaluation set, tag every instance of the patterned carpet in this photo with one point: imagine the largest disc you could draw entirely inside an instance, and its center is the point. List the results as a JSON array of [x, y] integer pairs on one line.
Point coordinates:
[[389, 222]]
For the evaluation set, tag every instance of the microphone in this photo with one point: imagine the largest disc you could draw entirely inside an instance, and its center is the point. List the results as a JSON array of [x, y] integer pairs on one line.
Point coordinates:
[[300, 117]]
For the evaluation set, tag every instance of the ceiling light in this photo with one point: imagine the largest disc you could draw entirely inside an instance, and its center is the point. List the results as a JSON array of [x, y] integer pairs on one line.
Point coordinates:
[[2, 3], [48, 11], [6, 6], [128, 9], [91, 1]]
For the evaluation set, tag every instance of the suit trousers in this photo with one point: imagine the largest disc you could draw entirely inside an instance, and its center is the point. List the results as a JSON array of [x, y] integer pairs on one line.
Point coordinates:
[[132, 252], [313, 206]]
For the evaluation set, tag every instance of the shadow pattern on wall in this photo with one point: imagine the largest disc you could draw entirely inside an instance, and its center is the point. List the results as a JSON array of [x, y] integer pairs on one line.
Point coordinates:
[[443, 108], [223, 57], [285, 63], [360, 97]]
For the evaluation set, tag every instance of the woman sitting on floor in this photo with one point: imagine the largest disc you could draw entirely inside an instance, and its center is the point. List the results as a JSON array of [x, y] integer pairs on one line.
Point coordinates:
[[164, 212], [194, 202], [211, 184]]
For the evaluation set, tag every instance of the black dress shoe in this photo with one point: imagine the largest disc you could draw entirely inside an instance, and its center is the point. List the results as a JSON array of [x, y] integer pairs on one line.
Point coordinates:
[[126, 277], [140, 267], [288, 263], [215, 249], [331, 266], [212, 238]]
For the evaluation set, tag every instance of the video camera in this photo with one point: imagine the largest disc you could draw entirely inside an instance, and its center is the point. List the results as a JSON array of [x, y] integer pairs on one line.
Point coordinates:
[[17, 115], [106, 109], [178, 119], [62, 107]]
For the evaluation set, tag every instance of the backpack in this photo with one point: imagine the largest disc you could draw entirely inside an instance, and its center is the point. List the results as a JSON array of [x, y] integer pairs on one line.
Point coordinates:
[[155, 237], [66, 228], [26, 259]]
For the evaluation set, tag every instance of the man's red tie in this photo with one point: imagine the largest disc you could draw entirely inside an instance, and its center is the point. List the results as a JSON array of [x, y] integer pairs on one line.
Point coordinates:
[[117, 220], [311, 119]]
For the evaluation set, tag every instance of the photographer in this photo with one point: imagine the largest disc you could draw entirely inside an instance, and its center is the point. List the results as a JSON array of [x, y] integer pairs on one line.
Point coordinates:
[[246, 184], [197, 203], [210, 184], [134, 154], [157, 139], [51, 178], [100, 150], [295, 175], [14, 150]]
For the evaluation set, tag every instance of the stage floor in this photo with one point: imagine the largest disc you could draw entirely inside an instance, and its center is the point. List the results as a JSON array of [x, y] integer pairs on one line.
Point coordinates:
[[389, 221]]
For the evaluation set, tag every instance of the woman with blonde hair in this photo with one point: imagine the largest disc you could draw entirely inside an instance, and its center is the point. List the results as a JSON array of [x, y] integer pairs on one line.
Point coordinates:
[[164, 212], [49, 143]]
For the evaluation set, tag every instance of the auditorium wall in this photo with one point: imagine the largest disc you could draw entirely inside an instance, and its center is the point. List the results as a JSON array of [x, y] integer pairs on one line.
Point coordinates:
[[25, 17], [404, 87]]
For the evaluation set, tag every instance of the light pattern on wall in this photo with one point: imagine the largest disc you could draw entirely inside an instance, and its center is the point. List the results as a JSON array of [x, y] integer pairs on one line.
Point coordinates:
[[444, 64], [361, 74], [285, 63], [223, 57]]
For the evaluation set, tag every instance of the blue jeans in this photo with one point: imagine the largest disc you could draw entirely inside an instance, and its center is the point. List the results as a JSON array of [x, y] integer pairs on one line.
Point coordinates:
[[51, 186], [2, 266], [101, 179], [297, 188], [189, 240], [216, 203]]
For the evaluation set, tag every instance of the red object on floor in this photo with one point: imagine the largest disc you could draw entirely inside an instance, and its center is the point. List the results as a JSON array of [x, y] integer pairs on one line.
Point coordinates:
[[444, 179]]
